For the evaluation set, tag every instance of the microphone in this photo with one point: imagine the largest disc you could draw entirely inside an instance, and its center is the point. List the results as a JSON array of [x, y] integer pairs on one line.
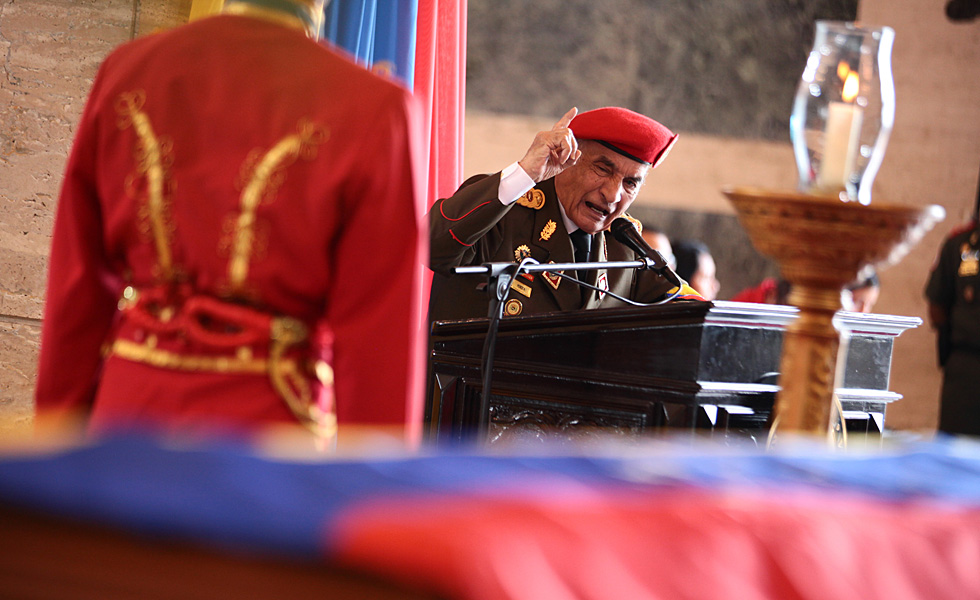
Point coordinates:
[[624, 231]]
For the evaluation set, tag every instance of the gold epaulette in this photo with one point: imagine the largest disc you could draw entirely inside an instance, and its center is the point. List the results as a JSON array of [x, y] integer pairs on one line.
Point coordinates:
[[636, 222], [532, 199]]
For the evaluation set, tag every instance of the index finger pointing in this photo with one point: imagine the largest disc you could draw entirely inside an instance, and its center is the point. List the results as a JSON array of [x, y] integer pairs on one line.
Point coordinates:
[[566, 119]]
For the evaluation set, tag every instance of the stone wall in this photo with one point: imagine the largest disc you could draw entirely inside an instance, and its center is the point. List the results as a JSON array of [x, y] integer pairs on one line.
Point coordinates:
[[713, 67], [50, 51]]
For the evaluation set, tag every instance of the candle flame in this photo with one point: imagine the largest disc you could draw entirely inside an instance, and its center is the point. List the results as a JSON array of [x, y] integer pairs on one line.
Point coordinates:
[[851, 87]]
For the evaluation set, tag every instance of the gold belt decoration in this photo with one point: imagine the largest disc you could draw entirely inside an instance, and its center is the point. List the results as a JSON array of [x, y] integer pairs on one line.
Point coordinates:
[[148, 354], [292, 385], [289, 375]]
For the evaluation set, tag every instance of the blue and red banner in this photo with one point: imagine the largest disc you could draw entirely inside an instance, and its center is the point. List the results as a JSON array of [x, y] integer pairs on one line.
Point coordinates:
[[378, 34], [671, 521], [421, 43]]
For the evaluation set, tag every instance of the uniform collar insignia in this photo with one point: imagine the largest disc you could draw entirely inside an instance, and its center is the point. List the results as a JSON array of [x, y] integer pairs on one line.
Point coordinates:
[[549, 229], [533, 199]]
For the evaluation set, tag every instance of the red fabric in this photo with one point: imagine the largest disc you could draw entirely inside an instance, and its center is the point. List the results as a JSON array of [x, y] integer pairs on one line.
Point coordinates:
[[337, 241], [764, 293], [670, 545], [440, 87], [636, 135]]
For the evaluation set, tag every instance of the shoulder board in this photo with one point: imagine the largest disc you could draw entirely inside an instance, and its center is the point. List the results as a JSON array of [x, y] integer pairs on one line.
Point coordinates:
[[532, 199], [636, 222]]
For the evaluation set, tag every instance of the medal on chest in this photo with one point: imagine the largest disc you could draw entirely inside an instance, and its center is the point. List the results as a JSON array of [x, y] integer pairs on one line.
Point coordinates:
[[969, 261], [513, 307], [553, 279]]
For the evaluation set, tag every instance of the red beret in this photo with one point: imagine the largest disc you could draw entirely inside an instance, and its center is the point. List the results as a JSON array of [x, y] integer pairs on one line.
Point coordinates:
[[631, 134]]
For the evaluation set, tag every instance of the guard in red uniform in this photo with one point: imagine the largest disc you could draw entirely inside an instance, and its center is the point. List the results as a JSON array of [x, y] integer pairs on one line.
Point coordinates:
[[238, 238]]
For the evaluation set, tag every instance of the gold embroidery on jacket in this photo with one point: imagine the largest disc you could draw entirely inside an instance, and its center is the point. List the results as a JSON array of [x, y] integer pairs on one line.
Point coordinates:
[[262, 181], [152, 157], [148, 354], [263, 176]]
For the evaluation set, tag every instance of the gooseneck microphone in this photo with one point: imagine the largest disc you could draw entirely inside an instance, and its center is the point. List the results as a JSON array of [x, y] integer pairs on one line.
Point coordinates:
[[625, 231]]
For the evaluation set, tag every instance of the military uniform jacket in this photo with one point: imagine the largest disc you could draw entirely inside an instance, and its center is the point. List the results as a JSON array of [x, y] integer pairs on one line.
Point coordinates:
[[473, 227], [954, 284], [240, 160]]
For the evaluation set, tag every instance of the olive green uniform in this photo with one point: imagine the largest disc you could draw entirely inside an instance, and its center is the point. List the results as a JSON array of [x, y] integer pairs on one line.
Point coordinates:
[[473, 227]]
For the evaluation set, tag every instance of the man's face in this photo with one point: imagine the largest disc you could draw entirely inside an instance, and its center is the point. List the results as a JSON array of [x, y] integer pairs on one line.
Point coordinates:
[[661, 243], [860, 300], [599, 187], [704, 279]]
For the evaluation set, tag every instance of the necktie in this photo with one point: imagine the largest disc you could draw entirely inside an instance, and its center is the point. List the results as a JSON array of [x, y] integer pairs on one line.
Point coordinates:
[[582, 242]]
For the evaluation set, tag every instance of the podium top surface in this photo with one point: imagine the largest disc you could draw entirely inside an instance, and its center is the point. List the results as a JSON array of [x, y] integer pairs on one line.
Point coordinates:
[[718, 313]]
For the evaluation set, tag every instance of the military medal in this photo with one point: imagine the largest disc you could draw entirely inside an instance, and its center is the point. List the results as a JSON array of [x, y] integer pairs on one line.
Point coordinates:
[[969, 263], [553, 279], [533, 199], [603, 284], [521, 252], [513, 307], [521, 287], [549, 228]]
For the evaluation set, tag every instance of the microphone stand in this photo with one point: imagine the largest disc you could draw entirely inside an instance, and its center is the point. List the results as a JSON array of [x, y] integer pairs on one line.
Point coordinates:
[[499, 278], [498, 284]]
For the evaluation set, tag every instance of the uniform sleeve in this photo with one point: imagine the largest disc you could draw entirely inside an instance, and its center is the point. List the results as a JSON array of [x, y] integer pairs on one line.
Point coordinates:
[[82, 291], [374, 307], [458, 223]]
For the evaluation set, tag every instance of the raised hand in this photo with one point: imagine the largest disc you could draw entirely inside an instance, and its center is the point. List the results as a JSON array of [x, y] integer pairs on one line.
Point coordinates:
[[552, 151]]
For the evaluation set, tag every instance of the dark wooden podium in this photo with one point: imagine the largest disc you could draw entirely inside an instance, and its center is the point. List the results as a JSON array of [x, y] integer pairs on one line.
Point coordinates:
[[697, 366]]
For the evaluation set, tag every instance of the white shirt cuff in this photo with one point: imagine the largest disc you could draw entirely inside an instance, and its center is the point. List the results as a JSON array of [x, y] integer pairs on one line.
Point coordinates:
[[514, 183]]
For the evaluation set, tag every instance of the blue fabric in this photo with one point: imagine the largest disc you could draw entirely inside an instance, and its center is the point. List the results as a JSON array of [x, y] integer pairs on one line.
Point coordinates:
[[231, 497], [379, 35]]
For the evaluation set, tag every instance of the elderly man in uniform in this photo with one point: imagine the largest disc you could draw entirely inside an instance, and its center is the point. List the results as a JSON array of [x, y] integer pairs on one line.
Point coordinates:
[[214, 258], [556, 204]]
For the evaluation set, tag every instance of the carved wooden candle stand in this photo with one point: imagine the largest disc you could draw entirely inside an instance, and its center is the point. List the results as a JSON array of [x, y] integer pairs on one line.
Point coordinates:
[[821, 244]]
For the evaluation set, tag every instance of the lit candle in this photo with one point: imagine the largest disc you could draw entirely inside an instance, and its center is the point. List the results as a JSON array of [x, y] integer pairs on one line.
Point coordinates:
[[841, 138]]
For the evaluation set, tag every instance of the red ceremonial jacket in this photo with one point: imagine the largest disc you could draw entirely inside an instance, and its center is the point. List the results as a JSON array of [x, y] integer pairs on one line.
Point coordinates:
[[233, 172]]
